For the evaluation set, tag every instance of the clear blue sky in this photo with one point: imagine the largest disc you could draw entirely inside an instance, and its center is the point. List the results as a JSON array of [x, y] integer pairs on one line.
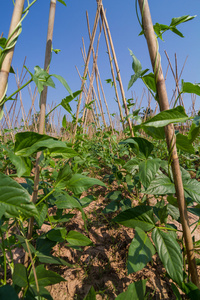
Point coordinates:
[[71, 26]]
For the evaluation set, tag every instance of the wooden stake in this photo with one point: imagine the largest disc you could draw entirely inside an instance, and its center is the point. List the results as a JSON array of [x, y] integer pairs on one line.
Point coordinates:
[[104, 19], [170, 135], [86, 66], [5, 68]]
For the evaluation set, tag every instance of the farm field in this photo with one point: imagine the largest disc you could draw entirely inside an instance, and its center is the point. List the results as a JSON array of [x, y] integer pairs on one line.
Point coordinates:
[[96, 205]]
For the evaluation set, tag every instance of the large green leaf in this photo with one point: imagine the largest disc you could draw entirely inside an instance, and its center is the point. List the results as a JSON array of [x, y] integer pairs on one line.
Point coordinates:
[[182, 19], [170, 254], [8, 292], [135, 291], [149, 81], [45, 277], [184, 144], [175, 115], [147, 170], [140, 146], [79, 183], [188, 87], [191, 290], [64, 83], [42, 213], [64, 175], [139, 216], [161, 185], [22, 164], [20, 275], [57, 234], [192, 189], [140, 251], [132, 165], [14, 199], [28, 143], [78, 239]]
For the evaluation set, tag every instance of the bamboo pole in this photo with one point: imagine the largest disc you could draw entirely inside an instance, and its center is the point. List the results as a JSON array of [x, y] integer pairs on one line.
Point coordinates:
[[42, 111], [101, 107], [113, 74], [84, 58], [104, 19], [104, 97], [86, 65], [5, 68], [170, 135]]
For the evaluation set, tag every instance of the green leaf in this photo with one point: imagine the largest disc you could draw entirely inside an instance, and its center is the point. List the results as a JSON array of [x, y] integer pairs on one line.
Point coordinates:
[[91, 295], [14, 199], [170, 254], [188, 87], [136, 291], [139, 216], [32, 293], [20, 275], [191, 290], [179, 20], [63, 2], [57, 234], [147, 170], [140, 146], [176, 31], [79, 183], [184, 144], [22, 164], [175, 115], [133, 79], [64, 122], [50, 259], [64, 200], [140, 251], [194, 129], [8, 292], [149, 81], [42, 213], [161, 186], [176, 291], [132, 165], [28, 143], [42, 78], [64, 175], [64, 83], [192, 189], [78, 239], [45, 277], [136, 65], [156, 133]]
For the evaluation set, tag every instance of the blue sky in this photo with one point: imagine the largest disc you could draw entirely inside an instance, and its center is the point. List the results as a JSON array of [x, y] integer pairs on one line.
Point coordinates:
[[71, 26]]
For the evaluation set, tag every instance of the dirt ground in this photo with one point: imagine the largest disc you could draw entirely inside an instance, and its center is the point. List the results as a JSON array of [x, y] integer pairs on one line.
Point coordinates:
[[104, 265]]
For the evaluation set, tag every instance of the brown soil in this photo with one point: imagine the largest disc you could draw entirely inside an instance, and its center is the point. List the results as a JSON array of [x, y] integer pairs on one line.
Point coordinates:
[[103, 265]]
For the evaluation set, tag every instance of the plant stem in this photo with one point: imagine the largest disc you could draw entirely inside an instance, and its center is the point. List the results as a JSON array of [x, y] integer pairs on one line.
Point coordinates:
[[23, 86], [46, 196], [4, 256]]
